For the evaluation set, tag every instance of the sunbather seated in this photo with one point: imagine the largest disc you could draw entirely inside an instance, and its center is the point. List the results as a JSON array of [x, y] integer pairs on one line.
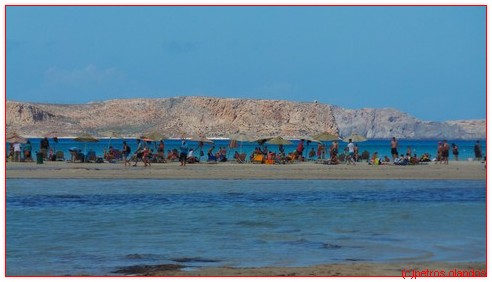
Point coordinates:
[[425, 158], [220, 157], [172, 155], [239, 157], [109, 155], [375, 160], [74, 152], [401, 161], [211, 158], [91, 156]]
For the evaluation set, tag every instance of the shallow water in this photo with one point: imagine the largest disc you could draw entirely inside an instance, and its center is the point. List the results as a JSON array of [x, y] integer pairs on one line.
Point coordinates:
[[77, 227]]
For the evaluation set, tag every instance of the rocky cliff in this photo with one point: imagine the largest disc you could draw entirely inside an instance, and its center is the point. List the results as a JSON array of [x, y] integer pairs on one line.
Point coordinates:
[[219, 117], [173, 116], [386, 123]]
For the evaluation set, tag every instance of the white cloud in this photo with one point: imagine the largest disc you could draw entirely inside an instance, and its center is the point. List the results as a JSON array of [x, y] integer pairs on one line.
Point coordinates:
[[88, 74]]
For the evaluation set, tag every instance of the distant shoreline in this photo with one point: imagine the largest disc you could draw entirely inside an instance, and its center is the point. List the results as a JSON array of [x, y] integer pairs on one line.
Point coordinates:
[[288, 138]]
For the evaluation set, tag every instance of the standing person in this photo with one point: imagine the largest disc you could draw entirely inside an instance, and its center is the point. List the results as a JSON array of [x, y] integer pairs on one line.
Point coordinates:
[[334, 152], [17, 152], [455, 151], [27, 151], [394, 148], [184, 153], [351, 150], [160, 150], [44, 146], [145, 155], [478, 150], [445, 152], [439, 152], [126, 152], [138, 152], [321, 151], [300, 148]]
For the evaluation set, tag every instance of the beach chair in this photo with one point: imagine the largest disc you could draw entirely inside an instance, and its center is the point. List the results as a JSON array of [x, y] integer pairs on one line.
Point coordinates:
[[240, 158], [257, 159], [117, 155], [91, 157], [341, 158], [59, 156]]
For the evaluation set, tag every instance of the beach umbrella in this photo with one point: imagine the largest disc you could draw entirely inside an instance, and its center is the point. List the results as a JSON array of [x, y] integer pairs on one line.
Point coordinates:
[[85, 138], [326, 136], [15, 138], [154, 136], [262, 140], [278, 141], [309, 140], [355, 138], [201, 139], [241, 137], [111, 135], [54, 135]]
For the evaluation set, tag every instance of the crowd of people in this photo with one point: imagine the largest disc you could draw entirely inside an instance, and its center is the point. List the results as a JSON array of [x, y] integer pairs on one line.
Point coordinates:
[[147, 154]]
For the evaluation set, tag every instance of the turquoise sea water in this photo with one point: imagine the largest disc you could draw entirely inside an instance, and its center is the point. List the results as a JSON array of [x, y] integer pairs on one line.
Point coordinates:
[[418, 147], [93, 227]]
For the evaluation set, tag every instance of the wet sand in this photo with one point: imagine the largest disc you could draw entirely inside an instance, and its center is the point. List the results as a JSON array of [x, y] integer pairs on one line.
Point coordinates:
[[231, 170]]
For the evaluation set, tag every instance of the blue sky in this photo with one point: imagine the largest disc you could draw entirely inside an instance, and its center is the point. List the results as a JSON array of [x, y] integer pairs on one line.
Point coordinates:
[[426, 61]]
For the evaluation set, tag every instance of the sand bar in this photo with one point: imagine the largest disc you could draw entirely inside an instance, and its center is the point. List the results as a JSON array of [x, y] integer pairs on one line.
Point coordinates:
[[231, 170]]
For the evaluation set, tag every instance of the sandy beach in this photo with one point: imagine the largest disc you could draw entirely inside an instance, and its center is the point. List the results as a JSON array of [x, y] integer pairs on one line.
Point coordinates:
[[401, 269], [231, 170]]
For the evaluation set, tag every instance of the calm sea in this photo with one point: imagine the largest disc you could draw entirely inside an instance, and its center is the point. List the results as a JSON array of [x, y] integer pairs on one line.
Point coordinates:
[[93, 227], [418, 147]]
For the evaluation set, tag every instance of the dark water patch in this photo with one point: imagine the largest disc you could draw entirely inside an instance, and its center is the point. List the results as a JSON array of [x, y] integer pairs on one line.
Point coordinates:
[[194, 260], [146, 270], [305, 243], [142, 257], [356, 259], [252, 223], [331, 246], [293, 230]]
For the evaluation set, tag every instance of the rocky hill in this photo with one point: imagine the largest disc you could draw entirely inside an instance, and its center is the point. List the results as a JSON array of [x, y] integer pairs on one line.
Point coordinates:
[[220, 117], [386, 123], [173, 116]]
